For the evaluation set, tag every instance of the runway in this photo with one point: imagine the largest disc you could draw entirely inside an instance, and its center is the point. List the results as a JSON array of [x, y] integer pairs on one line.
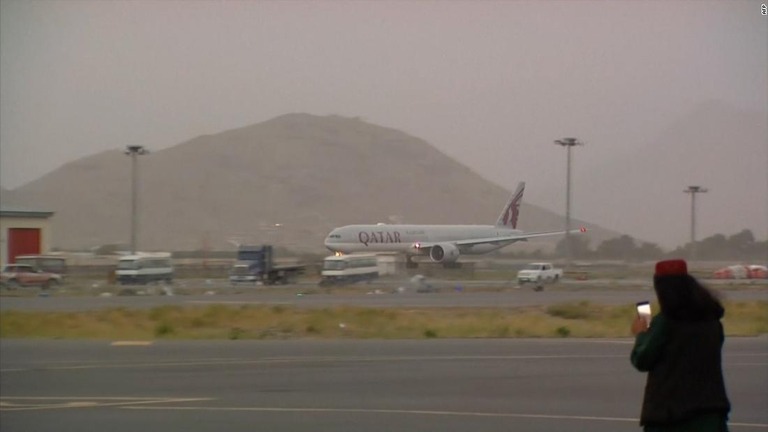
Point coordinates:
[[297, 386], [376, 295], [305, 385]]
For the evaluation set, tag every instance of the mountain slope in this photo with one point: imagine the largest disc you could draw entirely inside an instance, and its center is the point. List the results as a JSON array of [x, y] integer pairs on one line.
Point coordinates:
[[288, 181]]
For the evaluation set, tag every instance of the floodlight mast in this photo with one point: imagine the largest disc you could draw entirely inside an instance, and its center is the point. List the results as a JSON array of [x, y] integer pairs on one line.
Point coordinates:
[[568, 143], [134, 151], [693, 190]]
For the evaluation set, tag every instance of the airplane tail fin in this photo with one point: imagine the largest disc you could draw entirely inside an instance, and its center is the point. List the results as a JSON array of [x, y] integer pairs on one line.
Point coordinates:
[[508, 216]]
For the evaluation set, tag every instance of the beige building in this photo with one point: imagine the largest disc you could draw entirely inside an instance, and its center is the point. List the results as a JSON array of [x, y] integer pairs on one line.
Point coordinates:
[[23, 232]]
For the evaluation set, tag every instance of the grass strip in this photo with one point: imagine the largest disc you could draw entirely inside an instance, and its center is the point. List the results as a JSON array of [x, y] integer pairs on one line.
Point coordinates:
[[577, 319]]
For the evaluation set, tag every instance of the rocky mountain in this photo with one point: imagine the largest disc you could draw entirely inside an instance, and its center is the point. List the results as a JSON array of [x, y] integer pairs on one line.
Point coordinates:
[[286, 181]]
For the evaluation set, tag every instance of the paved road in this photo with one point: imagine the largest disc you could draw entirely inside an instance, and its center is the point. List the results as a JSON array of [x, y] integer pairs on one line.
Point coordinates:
[[373, 296], [317, 386]]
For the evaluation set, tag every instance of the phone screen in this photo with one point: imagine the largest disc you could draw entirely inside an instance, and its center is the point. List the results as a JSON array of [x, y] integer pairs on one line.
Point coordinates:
[[644, 308]]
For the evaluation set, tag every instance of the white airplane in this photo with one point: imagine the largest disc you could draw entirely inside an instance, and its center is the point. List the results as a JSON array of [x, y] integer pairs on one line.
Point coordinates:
[[442, 243]]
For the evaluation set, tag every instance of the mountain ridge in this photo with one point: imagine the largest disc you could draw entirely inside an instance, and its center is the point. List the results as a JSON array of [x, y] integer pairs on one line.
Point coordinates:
[[287, 181]]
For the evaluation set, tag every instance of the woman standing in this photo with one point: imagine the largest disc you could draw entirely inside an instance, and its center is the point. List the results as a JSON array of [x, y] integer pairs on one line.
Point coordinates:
[[681, 351]]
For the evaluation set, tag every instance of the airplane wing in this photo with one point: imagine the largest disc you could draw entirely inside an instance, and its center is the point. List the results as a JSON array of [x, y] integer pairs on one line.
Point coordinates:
[[503, 239]]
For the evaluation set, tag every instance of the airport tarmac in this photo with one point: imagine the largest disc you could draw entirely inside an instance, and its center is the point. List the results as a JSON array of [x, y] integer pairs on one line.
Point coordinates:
[[295, 386], [451, 294]]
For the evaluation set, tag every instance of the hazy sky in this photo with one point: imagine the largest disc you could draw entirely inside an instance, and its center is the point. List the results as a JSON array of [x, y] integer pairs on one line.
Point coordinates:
[[491, 83]]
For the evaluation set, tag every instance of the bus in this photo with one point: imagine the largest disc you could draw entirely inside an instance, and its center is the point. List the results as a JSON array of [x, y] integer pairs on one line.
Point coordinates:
[[47, 263], [346, 269], [144, 268]]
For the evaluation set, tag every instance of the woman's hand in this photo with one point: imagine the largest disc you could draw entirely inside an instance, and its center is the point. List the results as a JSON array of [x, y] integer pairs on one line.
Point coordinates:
[[639, 325]]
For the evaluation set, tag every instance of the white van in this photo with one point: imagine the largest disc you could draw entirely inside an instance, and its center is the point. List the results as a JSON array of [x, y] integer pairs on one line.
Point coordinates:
[[144, 268], [47, 263], [349, 269]]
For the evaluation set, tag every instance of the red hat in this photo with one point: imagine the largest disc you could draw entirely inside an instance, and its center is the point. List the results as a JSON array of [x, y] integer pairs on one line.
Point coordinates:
[[675, 267]]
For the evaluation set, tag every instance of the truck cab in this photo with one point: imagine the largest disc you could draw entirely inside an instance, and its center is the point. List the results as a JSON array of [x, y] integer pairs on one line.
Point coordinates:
[[241, 273], [260, 267]]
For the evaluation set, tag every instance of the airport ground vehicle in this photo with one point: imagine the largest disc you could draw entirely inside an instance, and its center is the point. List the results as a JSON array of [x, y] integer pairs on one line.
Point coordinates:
[[240, 273], [539, 273], [420, 285], [742, 272], [144, 268], [260, 267], [344, 269], [47, 263], [22, 275]]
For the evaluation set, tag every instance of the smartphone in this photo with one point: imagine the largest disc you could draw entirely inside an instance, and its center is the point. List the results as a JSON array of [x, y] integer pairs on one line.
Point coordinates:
[[644, 310]]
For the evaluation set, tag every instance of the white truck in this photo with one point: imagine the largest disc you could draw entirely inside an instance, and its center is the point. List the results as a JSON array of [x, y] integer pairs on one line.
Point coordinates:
[[539, 273]]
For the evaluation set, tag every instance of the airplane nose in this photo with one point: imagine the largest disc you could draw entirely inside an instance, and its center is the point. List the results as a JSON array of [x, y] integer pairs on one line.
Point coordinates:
[[328, 242]]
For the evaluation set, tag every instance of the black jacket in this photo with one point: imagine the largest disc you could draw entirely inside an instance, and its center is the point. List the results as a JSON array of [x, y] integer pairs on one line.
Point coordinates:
[[685, 377]]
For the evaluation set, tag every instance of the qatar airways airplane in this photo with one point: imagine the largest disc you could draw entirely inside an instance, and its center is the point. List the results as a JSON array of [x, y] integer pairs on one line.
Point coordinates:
[[442, 243]]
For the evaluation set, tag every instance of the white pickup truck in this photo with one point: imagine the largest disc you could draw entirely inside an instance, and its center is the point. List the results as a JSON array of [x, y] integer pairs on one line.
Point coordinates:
[[539, 274]]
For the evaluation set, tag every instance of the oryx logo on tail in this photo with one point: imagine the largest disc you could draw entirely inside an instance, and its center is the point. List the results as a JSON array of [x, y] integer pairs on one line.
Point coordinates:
[[508, 216]]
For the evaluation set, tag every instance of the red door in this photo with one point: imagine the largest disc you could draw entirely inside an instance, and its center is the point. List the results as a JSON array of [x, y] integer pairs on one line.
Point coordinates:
[[23, 241]]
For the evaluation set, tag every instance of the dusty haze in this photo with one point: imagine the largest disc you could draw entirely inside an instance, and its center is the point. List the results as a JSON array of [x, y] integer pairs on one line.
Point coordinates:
[[664, 94], [278, 182]]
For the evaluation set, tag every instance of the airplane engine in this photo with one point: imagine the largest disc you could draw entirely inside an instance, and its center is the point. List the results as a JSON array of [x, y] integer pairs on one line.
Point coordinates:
[[444, 253]]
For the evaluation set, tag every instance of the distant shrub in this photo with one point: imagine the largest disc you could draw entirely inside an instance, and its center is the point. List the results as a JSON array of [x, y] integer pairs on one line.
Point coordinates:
[[236, 333], [430, 334], [563, 331], [580, 310], [163, 329]]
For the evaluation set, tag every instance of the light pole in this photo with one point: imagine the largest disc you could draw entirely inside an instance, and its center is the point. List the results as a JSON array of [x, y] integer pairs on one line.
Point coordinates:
[[693, 190], [134, 151], [568, 143]]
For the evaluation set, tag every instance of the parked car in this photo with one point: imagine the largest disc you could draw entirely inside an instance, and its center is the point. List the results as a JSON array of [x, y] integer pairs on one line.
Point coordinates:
[[420, 284], [23, 275], [539, 274]]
